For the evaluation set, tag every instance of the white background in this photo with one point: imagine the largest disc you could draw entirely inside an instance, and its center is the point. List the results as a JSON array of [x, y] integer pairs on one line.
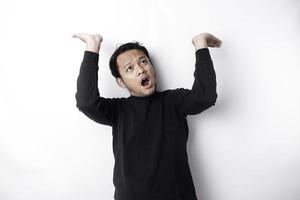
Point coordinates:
[[246, 147]]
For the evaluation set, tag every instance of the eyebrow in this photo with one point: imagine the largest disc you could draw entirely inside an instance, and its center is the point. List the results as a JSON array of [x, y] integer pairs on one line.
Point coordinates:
[[139, 58]]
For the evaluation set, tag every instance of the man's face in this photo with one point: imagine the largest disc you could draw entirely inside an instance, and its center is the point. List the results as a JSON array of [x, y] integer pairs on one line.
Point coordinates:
[[134, 67]]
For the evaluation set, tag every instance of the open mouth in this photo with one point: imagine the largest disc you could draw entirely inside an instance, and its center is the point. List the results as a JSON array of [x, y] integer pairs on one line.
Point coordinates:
[[145, 82]]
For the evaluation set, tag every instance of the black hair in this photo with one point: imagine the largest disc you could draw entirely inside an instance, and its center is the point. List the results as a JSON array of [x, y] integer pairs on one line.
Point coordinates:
[[113, 65]]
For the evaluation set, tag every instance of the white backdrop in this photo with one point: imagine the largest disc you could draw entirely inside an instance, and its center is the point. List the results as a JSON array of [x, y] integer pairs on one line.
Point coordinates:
[[245, 147]]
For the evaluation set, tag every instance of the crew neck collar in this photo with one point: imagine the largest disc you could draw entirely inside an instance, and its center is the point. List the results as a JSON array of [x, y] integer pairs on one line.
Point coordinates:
[[144, 97]]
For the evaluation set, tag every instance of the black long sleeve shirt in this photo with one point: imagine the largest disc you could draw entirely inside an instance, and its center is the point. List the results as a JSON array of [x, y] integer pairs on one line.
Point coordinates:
[[149, 133]]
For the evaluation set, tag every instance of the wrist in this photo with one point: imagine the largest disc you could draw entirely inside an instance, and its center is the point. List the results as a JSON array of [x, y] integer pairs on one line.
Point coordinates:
[[200, 43], [93, 47]]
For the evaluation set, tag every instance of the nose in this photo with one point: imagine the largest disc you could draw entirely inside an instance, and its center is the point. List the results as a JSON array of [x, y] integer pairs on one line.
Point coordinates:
[[141, 70]]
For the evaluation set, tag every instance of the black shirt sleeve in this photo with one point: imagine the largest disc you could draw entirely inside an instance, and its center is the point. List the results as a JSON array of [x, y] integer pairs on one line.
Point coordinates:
[[203, 93], [88, 100]]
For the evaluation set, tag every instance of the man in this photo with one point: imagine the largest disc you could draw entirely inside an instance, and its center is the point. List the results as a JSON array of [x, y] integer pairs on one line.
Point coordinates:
[[149, 127]]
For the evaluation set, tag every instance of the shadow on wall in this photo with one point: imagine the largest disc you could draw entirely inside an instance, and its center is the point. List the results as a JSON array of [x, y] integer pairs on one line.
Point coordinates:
[[159, 79], [294, 5], [197, 165]]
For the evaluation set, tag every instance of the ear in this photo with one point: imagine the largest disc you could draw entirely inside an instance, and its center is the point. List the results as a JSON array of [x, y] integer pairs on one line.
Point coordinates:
[[120, 82]]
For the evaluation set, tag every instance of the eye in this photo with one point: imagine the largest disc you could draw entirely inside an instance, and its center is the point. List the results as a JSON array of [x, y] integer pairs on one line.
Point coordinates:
[[129, 68], [144, 61]]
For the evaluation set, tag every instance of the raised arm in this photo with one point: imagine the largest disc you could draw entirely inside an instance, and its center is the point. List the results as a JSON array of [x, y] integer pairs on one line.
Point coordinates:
[[203, 93], [88, 100]]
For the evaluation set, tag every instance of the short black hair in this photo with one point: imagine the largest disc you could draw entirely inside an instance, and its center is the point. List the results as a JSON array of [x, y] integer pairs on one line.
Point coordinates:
[[113, 65]]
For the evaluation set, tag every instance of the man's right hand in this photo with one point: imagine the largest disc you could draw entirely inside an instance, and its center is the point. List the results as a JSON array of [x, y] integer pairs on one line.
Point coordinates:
[[93, 42]]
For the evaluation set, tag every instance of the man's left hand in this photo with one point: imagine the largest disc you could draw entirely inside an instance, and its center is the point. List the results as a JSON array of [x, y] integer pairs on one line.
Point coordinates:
[[204, 40]]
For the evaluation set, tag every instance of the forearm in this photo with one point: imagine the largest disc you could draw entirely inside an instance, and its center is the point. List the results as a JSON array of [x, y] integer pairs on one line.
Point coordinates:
[[204, 85], [87, 81]]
